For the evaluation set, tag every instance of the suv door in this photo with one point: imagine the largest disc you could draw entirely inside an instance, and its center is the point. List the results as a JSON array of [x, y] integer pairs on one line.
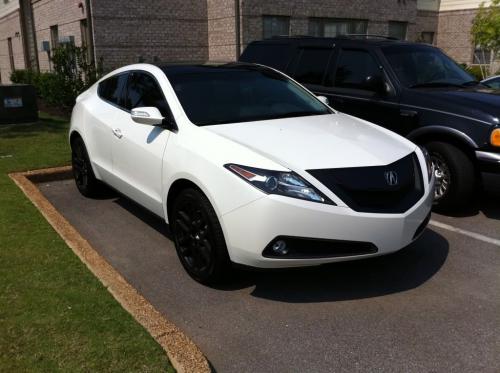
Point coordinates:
[[138, 149], [357, 84]]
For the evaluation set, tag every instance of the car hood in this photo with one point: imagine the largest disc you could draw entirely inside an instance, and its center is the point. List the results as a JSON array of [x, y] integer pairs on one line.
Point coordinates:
[[478, 102], [321, 141]]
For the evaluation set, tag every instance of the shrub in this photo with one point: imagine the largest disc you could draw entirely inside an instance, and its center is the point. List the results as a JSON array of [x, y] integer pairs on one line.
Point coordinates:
[[475, 71], [71, 75]]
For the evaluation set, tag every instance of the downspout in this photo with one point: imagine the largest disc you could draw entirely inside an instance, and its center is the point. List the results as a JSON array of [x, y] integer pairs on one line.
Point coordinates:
[[237, 23], [90, 30]]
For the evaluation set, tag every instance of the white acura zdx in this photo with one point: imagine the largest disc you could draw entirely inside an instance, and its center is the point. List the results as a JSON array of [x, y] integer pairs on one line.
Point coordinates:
[[249, 167]]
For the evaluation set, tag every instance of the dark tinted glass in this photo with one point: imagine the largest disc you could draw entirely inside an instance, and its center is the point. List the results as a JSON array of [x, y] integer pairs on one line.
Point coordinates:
[[111, 88], [425, 66], [312, 65], [143, 90], [493, 83], [354, 67], [232, 95], [273, 55]]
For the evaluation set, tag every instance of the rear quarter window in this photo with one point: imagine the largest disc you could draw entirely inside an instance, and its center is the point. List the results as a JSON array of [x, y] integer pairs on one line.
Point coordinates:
[[272, 55], [111, 89]]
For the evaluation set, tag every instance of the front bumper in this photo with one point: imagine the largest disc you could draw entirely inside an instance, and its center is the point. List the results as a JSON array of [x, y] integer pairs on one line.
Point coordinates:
[[249, 229], [488, 161]]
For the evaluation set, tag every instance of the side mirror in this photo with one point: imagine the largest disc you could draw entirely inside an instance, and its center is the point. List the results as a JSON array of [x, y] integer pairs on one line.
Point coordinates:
[[148, 115], [323, 99], [375, 83]]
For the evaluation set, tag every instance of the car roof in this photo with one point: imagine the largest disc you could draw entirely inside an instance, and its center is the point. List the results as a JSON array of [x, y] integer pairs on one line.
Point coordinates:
[[178, 69]]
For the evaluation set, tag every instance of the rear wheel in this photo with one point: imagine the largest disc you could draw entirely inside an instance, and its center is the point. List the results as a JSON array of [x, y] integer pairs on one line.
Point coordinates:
[[83, 174], [198, 237], [454, 173]]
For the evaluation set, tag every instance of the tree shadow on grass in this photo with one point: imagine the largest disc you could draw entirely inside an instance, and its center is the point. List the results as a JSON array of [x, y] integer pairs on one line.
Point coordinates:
[[52, 125]]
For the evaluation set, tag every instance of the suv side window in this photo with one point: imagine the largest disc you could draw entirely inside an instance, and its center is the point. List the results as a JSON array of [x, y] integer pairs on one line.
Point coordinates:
[[143, 90], [111, 88], [353, 67], [312, 65]]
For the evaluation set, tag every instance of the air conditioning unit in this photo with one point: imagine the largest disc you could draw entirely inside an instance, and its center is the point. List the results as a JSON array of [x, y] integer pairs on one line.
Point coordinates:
[[45, 46]]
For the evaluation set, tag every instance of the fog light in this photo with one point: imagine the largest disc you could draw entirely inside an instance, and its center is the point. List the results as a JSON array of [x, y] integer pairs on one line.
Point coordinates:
[[279, 247]]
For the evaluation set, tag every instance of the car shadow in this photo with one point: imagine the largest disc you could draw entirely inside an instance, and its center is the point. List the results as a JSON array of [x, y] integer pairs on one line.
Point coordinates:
[[398, 272], [486, 201]]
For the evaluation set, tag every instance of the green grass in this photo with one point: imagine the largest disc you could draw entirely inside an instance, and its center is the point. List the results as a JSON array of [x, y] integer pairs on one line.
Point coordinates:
[[54, 314]]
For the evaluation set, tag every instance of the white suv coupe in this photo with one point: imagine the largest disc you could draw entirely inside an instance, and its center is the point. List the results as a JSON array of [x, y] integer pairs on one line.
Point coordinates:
[[247, 166]]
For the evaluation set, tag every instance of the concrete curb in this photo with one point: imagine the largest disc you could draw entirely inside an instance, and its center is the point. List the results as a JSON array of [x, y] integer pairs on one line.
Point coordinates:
[[184, 355]]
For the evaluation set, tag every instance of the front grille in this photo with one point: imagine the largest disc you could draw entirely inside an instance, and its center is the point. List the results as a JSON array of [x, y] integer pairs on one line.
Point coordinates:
[[374, 189]]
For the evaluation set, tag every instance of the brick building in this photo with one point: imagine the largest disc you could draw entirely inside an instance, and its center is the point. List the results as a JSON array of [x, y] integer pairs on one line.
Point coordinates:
[[121, 32]]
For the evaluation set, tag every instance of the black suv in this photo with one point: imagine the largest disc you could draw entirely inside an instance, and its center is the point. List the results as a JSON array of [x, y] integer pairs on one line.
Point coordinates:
[[412, 89]]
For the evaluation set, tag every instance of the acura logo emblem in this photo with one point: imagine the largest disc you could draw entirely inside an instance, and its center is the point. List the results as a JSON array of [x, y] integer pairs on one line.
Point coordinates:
[[391, 177]]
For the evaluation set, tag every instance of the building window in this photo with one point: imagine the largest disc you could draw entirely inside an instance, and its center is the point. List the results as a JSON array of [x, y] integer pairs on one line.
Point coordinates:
[[398, 30], [330, 27], [481, 56], [54, 36], [427, 37], [84, 32], [11, 54], [276, 26]]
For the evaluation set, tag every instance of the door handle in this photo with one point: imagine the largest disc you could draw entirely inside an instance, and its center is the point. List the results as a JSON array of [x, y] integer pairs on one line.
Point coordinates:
[[408, 113], [118, 133]]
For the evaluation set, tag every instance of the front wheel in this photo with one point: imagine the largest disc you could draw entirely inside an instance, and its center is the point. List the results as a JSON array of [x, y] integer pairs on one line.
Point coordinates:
[[454, 173], [198, 237]]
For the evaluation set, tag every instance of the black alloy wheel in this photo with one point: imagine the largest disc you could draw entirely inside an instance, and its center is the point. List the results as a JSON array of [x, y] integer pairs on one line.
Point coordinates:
[[198, 237]]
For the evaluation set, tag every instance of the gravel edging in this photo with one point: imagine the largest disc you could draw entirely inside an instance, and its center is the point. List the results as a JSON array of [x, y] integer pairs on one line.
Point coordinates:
[[184, 355]]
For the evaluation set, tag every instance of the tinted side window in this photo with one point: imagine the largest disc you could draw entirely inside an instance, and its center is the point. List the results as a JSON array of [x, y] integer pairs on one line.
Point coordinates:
[[143, 90], [353, 67], [312, 65], [111, 88], [273, 55]]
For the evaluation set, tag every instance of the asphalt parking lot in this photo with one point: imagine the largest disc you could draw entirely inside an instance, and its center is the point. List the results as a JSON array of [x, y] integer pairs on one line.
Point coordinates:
[[434, 306]]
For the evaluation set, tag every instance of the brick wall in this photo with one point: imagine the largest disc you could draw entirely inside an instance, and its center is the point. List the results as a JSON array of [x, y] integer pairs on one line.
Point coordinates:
[[167, 31], [427, 21], [454, 34], [9, 26], [64, 13], [221, 30]]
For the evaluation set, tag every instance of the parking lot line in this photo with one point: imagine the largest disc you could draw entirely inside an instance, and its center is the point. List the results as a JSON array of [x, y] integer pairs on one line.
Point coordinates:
[[477, 236]]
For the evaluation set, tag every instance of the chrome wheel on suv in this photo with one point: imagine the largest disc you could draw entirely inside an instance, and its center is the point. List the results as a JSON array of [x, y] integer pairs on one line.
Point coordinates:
[[442, 175]]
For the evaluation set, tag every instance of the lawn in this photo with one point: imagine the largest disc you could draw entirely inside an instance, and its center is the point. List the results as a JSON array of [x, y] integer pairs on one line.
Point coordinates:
[[54, 314]]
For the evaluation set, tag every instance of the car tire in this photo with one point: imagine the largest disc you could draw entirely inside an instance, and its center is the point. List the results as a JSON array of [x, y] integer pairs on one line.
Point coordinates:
[[84, 177], [455, 175], [198, 237]]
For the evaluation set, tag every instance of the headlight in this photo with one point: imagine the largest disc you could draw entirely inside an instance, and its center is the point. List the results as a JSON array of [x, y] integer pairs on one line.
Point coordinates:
[[428, 162], [275, 182]]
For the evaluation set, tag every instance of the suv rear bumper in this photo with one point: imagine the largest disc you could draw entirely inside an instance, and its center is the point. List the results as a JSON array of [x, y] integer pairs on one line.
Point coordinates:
[[488, 161]]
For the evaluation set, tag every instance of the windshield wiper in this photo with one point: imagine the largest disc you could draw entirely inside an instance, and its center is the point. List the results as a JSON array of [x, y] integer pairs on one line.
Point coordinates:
[[435, 84]]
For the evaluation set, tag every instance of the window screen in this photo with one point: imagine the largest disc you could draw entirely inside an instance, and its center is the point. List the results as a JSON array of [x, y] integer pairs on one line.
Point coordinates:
[[312, 65], [276, 26]]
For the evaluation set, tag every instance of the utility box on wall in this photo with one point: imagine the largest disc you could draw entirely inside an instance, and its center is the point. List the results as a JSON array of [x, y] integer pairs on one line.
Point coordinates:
[[18, 104]]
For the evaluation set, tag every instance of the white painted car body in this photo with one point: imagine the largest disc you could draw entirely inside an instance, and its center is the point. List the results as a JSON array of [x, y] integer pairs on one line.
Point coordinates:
[[143, 162]]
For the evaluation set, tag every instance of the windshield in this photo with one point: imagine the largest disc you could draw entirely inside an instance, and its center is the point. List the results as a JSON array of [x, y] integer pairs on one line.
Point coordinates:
[[425, 67], [229, 95]]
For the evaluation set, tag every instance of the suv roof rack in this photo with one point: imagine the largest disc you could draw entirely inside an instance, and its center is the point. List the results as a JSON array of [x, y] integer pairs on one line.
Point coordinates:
[[366, 36]]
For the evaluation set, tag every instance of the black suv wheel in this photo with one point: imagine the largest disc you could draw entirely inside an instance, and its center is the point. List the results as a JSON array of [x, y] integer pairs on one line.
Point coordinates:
[[454, 173]]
